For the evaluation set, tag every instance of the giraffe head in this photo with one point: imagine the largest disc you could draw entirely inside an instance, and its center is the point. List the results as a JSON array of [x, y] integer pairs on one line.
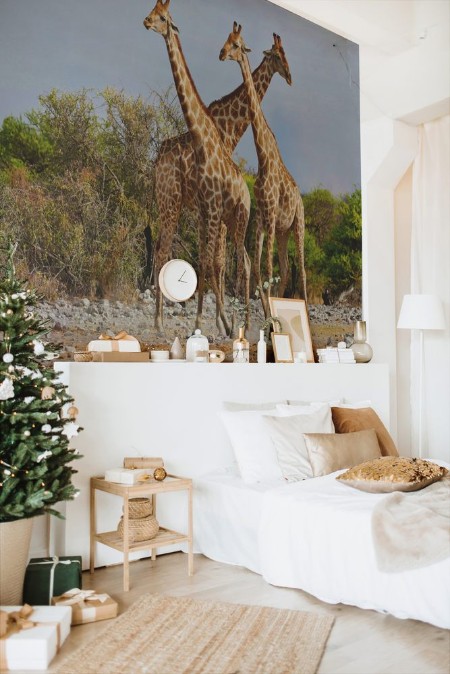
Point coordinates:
[[159, 19], [234, 48], [278, 59]]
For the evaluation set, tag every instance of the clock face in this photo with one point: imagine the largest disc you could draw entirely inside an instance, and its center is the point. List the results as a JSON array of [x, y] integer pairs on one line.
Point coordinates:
[[177, 280]]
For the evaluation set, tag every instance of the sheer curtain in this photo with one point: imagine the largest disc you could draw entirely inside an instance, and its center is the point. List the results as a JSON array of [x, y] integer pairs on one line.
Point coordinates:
[[430, 273]]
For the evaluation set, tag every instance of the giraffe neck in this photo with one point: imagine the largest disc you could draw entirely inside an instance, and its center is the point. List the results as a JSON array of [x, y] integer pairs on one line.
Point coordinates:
[[262, 134], [194, 110], [231, 113]]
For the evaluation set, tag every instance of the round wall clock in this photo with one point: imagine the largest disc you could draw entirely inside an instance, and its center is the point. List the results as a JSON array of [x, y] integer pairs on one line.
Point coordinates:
[[177, 280]]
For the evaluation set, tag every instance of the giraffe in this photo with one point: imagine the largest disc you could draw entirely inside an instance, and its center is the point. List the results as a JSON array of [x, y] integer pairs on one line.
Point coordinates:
[[175, 174], [279, 204], [221, 192]]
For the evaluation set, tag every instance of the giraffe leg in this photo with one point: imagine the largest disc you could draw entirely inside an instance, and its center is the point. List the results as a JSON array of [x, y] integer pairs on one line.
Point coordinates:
[[283, 260], [168, 197], [269, 263], [299, 238], [259, 242], [243, 260], [201, 272], [219, 273]]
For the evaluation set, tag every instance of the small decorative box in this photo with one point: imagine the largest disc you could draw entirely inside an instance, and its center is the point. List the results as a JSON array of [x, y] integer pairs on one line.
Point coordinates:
[[87, 606], [121, 342], [47, 577], [127, 475], [31, 637]]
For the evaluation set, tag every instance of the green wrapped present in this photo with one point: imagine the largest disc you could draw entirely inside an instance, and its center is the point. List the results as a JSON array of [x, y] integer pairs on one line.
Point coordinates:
[[48, 577]]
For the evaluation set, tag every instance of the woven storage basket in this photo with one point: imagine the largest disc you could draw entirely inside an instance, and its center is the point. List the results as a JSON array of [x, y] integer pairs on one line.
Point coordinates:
[[141, 529], [139, 507]]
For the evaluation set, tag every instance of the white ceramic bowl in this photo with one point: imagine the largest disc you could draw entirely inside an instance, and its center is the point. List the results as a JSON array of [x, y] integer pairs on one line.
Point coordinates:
[[159, 355]]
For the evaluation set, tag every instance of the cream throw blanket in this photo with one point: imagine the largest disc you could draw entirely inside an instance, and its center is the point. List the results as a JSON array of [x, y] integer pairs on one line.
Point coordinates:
[[412, 529]]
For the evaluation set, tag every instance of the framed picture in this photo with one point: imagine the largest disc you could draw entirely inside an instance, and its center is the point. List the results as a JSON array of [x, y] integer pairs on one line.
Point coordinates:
[[293, 317], [282, 347]]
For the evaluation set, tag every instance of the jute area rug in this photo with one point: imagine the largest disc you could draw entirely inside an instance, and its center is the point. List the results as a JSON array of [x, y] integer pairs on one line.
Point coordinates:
[[179, 635]]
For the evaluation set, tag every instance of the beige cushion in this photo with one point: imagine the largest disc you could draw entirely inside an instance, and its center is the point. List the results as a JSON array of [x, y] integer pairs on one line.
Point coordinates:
[[330, 452], [349, 420], [389, 474], [286, 434]]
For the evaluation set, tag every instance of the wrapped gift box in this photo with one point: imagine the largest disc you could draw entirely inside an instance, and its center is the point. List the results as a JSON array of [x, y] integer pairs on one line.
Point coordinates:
[[35, 647], [128, 475], [121, 342], [47, 577], [87, 606], [120, 357]]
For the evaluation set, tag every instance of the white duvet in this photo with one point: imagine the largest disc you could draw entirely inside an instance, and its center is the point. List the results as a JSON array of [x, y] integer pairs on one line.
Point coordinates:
[[315, 535]]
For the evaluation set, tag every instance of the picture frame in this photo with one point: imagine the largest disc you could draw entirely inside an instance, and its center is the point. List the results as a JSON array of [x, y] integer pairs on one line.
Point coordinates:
[[282, 347], [293, 316]]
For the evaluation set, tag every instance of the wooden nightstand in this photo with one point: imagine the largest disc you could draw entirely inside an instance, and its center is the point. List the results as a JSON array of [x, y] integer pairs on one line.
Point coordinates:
[[162, 538]]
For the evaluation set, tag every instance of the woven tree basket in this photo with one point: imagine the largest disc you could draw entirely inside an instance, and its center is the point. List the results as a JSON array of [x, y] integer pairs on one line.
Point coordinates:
[[139, 507], [142, 529]]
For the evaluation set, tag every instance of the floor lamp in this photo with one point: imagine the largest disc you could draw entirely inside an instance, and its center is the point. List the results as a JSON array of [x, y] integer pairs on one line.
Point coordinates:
[[421, 312]]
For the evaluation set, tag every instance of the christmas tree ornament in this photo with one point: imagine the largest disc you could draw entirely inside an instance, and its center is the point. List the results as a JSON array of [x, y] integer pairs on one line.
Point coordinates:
[[26, 434], [70, 429], [8, 357], [72, 412], [159, 474], [47, 393], [46, 428], [38, 347], [6, 389]]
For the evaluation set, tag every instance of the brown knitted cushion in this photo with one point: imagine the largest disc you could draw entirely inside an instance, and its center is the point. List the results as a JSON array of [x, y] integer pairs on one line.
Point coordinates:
[[348, 420]]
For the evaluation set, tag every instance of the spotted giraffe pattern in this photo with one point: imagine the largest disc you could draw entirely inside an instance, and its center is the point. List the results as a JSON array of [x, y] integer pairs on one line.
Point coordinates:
[[175, 174], [221, 192], [278, 200]]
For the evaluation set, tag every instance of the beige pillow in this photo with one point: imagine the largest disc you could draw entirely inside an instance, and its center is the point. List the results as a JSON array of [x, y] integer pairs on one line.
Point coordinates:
[[349, 420], [330, 452], [389, 474], [286, 434]]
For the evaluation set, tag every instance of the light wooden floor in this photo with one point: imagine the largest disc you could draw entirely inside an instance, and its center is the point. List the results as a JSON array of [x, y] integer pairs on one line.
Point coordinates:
[[361, 641]]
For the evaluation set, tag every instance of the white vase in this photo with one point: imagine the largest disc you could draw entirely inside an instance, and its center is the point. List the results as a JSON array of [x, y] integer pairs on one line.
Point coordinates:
[[15, 540]]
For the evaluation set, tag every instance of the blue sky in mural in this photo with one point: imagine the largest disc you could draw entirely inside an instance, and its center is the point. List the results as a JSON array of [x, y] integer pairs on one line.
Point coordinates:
[[97, 43]]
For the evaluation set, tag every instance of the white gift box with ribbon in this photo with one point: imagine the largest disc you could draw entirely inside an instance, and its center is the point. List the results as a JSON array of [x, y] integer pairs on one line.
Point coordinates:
[[87, 605], [121, 342], [128, 475], [35, 646]]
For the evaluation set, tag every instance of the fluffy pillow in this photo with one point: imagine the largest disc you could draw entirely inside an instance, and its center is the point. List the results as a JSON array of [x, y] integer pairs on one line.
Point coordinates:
[[252, 446], [301, 403], [295, 410], [349, 420], [287, 437], [388, 474], [248, 407]]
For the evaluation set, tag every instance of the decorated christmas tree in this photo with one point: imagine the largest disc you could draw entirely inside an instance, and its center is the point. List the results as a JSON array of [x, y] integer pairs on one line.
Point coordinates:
[[37, 416]]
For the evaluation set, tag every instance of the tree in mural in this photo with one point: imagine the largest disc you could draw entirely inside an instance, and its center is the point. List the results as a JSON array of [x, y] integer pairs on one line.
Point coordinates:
[[223, 195], [279, 204], [37, 418]]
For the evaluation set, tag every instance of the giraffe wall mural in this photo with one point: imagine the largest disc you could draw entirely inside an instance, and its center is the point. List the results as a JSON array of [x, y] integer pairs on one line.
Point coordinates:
[[158, 151]]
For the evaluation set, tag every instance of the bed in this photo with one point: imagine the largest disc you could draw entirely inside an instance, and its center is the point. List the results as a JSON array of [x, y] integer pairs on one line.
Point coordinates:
[[314, 535]]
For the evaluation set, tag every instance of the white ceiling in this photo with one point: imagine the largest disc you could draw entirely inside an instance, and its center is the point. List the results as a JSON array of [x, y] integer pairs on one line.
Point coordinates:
[[404, 52]]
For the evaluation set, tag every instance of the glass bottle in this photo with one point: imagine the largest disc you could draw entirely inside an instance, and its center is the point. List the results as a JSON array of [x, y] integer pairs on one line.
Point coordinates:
[[361, 349], [241, 348], [196, 342], [261, 348]]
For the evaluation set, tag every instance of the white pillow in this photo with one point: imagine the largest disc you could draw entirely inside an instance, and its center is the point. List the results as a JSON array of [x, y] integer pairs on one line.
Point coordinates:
[[295, 410], [355, 405], [302, 403], [248, 407], [252, 446], [290, 446]]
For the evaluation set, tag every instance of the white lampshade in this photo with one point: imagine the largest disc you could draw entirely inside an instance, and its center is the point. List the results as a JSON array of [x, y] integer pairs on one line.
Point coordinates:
[[421, 312]]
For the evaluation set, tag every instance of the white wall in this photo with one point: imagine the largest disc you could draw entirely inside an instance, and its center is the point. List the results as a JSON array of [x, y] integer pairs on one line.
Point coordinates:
[[404, 83]]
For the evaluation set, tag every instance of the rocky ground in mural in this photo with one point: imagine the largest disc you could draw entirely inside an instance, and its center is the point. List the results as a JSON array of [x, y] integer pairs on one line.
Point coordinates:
[[76, 321]]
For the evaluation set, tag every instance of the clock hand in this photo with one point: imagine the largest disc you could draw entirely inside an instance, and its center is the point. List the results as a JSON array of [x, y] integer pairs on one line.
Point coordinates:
[[182, 276]]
